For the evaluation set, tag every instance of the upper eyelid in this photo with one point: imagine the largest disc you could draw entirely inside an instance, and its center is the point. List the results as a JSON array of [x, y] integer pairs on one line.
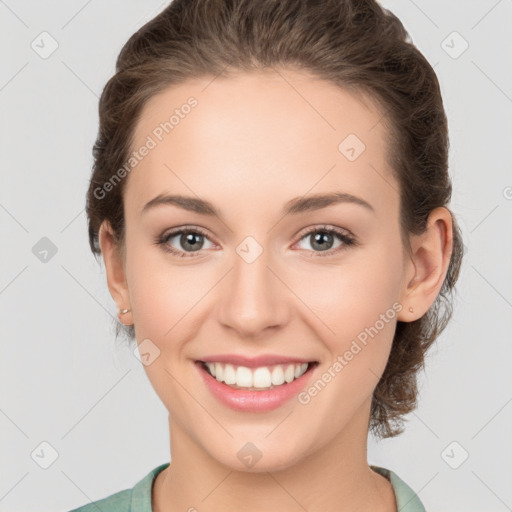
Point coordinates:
[[324, 227]]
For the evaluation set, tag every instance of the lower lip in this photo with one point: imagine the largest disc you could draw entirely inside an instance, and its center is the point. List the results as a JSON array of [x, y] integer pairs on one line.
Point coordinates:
[[254, 401]]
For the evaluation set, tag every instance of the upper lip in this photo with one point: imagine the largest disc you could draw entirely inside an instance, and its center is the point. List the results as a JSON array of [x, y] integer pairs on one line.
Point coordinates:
[[254, 362]]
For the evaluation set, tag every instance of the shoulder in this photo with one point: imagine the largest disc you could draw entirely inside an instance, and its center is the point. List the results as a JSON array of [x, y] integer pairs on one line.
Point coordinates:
[[118, 502], [135, 499], [406, 499]]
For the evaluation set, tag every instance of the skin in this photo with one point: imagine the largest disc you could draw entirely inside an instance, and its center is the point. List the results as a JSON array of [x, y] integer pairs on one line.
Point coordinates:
[[253, 142]]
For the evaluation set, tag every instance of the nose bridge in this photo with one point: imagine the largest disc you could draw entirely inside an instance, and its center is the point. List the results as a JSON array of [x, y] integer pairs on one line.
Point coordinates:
[[253, 298]]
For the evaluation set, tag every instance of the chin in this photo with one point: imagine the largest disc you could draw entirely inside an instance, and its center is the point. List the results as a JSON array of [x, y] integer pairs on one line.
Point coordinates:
[[254, 457]]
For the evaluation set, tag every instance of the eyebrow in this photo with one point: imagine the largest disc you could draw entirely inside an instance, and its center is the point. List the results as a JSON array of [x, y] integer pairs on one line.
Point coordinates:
[[294, 206]]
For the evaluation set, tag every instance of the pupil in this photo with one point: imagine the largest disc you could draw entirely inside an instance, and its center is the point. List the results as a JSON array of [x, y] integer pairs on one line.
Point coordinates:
[[320, 238], [189, 239]]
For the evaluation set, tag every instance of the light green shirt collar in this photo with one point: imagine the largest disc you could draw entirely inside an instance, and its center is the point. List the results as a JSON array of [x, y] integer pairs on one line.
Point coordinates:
[[138, 499]]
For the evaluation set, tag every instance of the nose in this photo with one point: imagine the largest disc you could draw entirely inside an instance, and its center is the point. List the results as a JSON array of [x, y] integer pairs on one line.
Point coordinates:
[[254, 298]]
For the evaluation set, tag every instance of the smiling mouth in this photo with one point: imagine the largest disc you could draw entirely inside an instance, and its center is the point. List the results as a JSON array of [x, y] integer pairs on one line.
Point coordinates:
[[261, 378]]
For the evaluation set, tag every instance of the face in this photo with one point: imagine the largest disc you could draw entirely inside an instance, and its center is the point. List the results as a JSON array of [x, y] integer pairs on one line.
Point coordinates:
[[276, 278]]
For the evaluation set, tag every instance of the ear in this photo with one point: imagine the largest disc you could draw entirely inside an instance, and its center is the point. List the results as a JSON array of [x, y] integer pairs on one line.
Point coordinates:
[[114, 266], [427, 266]]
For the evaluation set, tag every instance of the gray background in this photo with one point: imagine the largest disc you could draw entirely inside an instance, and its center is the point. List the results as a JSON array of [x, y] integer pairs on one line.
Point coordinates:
[[64, 380]]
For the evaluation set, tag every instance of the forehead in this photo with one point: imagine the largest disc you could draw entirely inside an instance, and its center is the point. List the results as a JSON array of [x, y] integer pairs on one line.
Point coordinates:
[[269, 132]]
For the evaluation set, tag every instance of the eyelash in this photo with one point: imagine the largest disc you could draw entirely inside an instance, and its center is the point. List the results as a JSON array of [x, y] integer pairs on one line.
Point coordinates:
[[347, 240]]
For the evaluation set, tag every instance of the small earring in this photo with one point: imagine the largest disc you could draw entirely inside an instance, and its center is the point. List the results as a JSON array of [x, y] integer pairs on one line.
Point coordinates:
[[124, 311], [411, 310]]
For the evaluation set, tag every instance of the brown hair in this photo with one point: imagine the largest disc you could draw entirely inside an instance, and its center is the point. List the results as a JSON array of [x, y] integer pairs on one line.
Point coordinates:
[[356, 44]]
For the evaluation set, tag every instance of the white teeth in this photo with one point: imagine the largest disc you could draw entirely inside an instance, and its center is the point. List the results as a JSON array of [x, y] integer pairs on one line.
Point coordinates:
[[229, 374], [219, 372], [277, 376], [263, 377], [289, 374], [243, 376], [300, 369]]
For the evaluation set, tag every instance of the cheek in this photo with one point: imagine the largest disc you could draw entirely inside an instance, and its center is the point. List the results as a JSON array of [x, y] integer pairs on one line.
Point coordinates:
[[362, 322], [357, 307], [163, 297], [161, 293], [352, 295]]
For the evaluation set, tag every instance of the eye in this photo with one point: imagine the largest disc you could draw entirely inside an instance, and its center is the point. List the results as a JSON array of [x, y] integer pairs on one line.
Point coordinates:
[[323, 238], [190, 239]]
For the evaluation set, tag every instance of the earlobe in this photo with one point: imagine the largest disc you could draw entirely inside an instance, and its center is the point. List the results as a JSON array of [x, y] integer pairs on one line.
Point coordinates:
[[114, 267], [430, 257]]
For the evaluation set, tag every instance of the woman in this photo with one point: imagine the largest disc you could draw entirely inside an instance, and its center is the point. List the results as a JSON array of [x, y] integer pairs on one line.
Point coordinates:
[[270, 197]]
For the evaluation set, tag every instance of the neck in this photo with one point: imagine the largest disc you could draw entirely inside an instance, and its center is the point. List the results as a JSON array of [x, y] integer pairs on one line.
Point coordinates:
[[335, 478]]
